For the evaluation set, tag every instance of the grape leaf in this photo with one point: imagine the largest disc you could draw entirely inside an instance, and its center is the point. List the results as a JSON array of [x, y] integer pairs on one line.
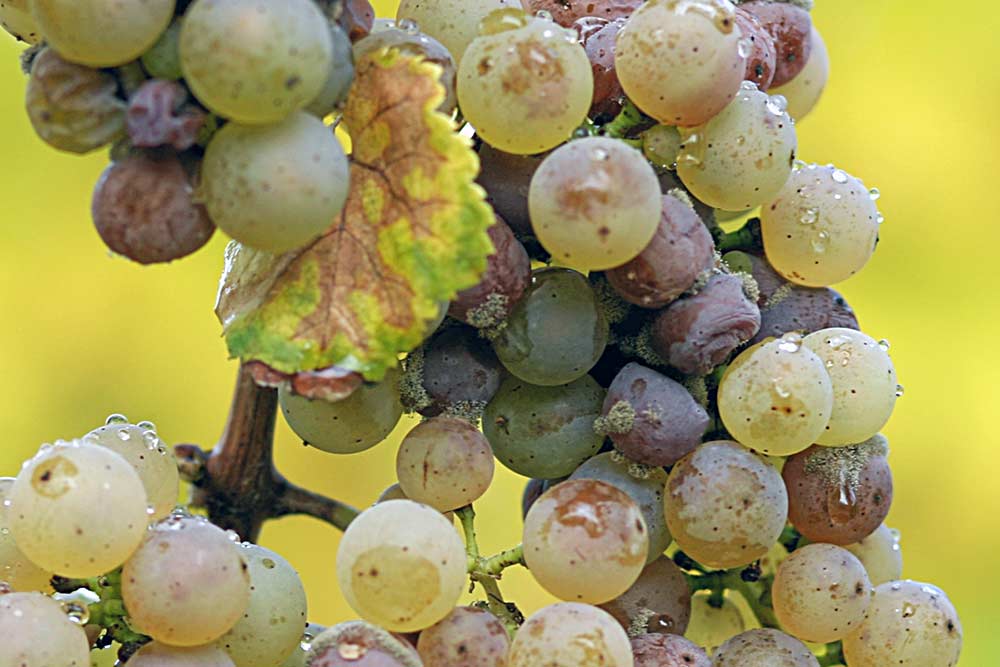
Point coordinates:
[[412, 234]]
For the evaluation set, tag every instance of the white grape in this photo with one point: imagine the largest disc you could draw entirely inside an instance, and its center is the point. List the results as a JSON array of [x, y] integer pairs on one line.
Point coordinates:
[[16, 18], [16, 569], [155, 654], [806, 88], [37, 633], [454, 23], [881, 555], [713, 622], [570, 634], [764, 647]]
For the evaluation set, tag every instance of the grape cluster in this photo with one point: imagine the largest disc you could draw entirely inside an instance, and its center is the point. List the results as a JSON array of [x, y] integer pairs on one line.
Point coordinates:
[[697, 412]]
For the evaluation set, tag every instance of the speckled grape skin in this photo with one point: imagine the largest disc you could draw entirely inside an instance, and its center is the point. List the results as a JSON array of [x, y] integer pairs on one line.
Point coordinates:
[[454, 23], [790, 26], [255, 61], [525, 89], [467, 637], [742, 157], [155, 654], [804, 91], [37, 633], [16, 18], [508, 274], [459, 367], [275, 187], [881, 555], [864, 384], [805, 310], [585, 540], [819, 231], [569, 634], [909, 624], [710, 626], [724, 505], [654, 650], [681, 63], [16, 570], [565, 12], [762, 60], [821, 593], [660, 595], [776, 397], [764, 648]]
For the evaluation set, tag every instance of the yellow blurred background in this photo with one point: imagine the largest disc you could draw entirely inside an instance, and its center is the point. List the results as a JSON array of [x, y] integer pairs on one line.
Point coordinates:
[[911, 108]]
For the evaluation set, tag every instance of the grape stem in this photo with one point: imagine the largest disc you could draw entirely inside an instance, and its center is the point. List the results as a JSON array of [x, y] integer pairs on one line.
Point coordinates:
[[627, 120], [757, 594], [487, 571], [745, 238], [834, 655]]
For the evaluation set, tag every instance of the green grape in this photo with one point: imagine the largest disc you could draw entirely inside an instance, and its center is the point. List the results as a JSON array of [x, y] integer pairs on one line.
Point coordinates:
[[805, 89], [16, 569], [444, 462], [155, 654], [37, 633], [556, 332], [864, 384], [163, 60], [525, 83], [643, 484], [401, 565], [776, 397], [467, 637], [255, 61], [298, 656], [271, 627], [909, 624], [585, 540], [881, 555], [276, 187], [822, 227], [764, 647], [660, 145], [570, 634], [410, 41], [595, 203], [658, 602], [821, 593], [77, 509], [149, 456], [454, 23], [681, 61], [16, 18], [358, 422], [544, 432], [176, 603], [338, 78], [713, 622], [741, 157]]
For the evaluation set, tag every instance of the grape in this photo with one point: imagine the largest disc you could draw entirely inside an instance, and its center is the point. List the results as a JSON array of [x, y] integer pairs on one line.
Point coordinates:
[[742, 157], [89, 32], [16, 18], [402, 565], [556, 333], [585, 540], [660, 145], [155, 654], [338, 78], [880, 554], [656, 650], [713, 623], [910, 624], [681, 62], [724, 505], [255, 61], [357, 19], [776, 397], [544, 432], [163, 59], [77, 509], [667, 423], [821, 593], [458, 371], [839, 494], [16, 570], [804, 91], [298, 656], [566, 12], [354, 424], [524, 83], [507, 179], [188, 584], [275, 187], [444, 462], [143, 208], [360, 644], [157, 117], [764, 647], [595, 203], [790, 26], [803, 310], [598, 38], [467, 637], [762, 59], [700, 332], [658, 602], [411, 42], [455, 23], [822, 227], [37, 633], [864, 384], [570, 634]]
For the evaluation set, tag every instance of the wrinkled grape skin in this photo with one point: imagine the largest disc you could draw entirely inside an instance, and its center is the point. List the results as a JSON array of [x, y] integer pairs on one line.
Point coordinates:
[[791, 28], [155, 654], [508, 274], [697, 333], [566, 12], [762, 60], [360, 644], [815, 507], [680, 251], [467, 637], [506, 177], [544, 432], [339, 77], [415, 43], [656, 650], [569, 634], [710, 626], [661, 595], [16, 18], [805, 310], [881, 555], [598, 37], [764, 647], [724, 505], [455, 23], [804, 91], [668, 421], [459, 366], [16, 569], [156, 116], [37, 633]]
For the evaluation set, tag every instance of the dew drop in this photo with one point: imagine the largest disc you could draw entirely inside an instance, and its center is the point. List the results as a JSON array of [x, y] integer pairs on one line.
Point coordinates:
[[880, 218], [790, 342], [899, 390], [150, 510], [839, 176], [146, 425], [268, 564], [408, 26], [820, 241], [233, 536], [809, 216], [124, 435], [779, 390], [874, 194], [599, 155], [884, 345], [116, 419], [76, 612]]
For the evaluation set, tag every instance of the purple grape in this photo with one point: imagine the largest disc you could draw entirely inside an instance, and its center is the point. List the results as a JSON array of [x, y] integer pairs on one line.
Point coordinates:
[[506, 178], [157, 116], [597, 35], [565, 12], [460, 370], [533, 490], [791, 28], [763, 56], [656, 650]]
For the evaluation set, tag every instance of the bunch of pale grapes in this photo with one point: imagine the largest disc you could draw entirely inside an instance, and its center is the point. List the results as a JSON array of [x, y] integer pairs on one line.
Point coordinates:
[[696, 411]]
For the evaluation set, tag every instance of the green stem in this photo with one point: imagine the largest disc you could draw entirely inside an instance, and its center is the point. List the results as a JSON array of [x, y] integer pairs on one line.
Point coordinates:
[[507, 613], [759, 602], [746, 237], [494, 565], [628, 118], [834, 655], [467, 516]]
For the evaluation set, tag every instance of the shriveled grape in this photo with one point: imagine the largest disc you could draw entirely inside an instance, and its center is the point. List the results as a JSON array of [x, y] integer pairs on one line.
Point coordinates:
[[791, 28], [570, 634], [566, 12], [455, 23], [656, 650], [37, 633], [360, 644], [881, 555], [804, 310], [804, 91], [713, 621], [155, 654], [658, 602], [158, 115], [598, 37], [467, 637], [762, 59], [764, 647]]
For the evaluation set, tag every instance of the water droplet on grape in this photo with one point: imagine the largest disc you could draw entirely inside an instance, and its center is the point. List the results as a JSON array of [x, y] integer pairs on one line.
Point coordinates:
[[147, 425], [599, 155], [268, 564], [820, 241], [874, 194], [233, 536], [744, 47], [839, 176], [76, 612], [899, 390], [778, 389], [150, 510], [116, 419], [408, 26], [884, 344], [790, 342], [809, 216], [776, 104], [880, 218], [124, 435]]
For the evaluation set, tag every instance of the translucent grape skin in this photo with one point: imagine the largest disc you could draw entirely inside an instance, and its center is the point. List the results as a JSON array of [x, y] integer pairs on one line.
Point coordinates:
[[459, 369], [724, 505], [401, 565], [711, 625], [359, 422], [659, 602], [804, 91], [595, 203], [176, 603], [455, 23], [681, 249], [339, 77], [360, 644], [881, 555], [566, 12], [764, 647], [598, 37], [762, 60], [585, 516], [821, 593], [909, 624], [556, 333], [570, 634], [506, 177], [16, 569], [415, 43], [16, 18], [37, 633], [791, 28], [657, 650], [467, 637], [52, 512], [544, 432], [444, 462], [699, 332], [155, 654], [525, 83]]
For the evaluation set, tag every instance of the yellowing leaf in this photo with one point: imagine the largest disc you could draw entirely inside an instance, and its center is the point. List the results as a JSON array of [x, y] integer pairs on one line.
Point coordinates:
[[413, 233]]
